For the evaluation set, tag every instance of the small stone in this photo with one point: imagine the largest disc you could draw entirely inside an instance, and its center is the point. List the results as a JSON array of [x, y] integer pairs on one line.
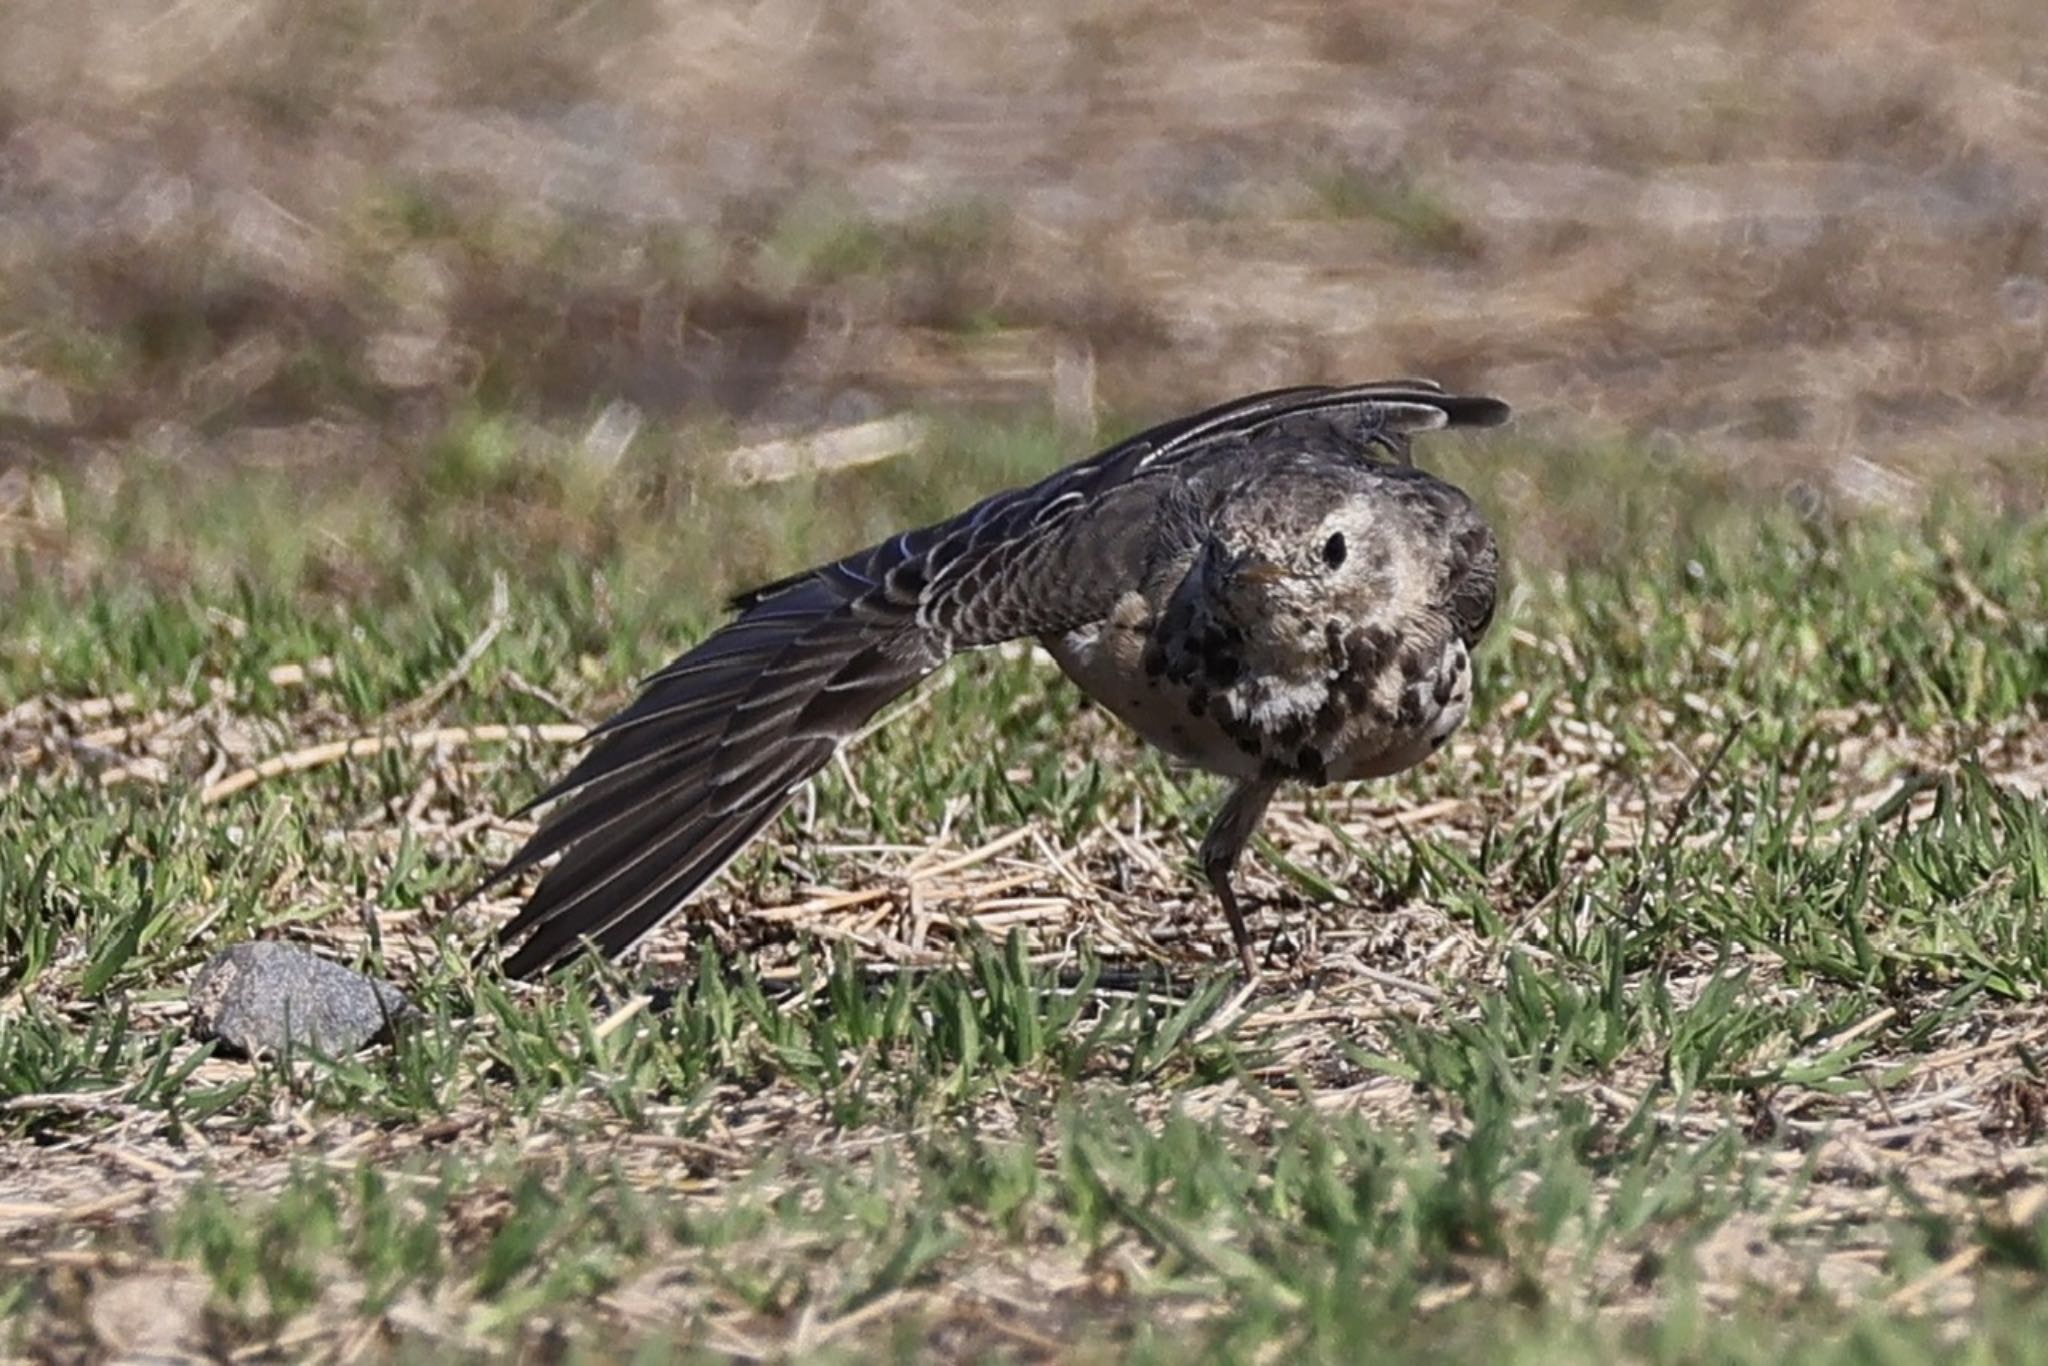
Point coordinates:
[[269, 997]]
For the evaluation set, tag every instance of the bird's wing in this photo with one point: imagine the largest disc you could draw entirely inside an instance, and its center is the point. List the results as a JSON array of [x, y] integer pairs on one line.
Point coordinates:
[[972, 573], [679, 782], [715, 745]]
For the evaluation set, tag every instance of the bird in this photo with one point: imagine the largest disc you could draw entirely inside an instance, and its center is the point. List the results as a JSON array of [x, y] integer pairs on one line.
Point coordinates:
[[1269, 590]]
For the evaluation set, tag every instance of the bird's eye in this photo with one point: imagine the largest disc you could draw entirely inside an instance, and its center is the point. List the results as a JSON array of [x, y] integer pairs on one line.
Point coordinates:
[[1334, 550]]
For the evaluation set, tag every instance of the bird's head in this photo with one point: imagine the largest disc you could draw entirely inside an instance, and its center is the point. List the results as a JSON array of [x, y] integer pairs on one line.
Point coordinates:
[[1274, 559]]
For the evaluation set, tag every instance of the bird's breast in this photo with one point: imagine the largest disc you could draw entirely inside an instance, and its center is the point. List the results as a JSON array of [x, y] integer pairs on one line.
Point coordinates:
[[1366, 701], [1404, 713], [1116, 663]]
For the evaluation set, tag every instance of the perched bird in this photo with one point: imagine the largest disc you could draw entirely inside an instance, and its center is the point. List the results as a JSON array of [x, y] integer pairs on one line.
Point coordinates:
[[1268, 590]]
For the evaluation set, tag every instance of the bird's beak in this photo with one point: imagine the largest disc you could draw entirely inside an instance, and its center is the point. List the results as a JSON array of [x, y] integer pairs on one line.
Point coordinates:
[[1260, 572]]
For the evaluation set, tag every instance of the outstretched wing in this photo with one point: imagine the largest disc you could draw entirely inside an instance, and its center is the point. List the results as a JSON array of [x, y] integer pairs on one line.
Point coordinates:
[[715, 745], [711, 750]]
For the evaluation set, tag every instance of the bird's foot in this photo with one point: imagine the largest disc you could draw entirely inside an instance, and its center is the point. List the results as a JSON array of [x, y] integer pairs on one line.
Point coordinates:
[[1239, 935], [1248, 960]]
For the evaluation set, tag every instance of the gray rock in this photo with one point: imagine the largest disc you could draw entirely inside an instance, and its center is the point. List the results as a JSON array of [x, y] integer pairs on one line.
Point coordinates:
[[267, 997]]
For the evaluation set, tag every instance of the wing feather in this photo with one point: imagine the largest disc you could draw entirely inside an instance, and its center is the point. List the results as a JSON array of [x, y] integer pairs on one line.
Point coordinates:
[[694, 768]]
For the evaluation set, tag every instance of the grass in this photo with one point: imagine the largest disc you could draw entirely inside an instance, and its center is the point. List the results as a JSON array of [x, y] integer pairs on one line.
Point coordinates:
[[1687, 1008]]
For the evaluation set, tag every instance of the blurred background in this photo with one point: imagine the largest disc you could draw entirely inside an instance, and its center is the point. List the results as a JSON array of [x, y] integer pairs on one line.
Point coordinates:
[[557, 258]]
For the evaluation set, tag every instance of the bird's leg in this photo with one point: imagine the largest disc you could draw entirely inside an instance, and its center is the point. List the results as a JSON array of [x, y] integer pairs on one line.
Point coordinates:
[[1227, 837]]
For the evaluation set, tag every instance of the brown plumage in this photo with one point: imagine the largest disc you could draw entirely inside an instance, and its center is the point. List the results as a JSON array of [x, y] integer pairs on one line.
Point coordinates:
[[1268, 590]]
